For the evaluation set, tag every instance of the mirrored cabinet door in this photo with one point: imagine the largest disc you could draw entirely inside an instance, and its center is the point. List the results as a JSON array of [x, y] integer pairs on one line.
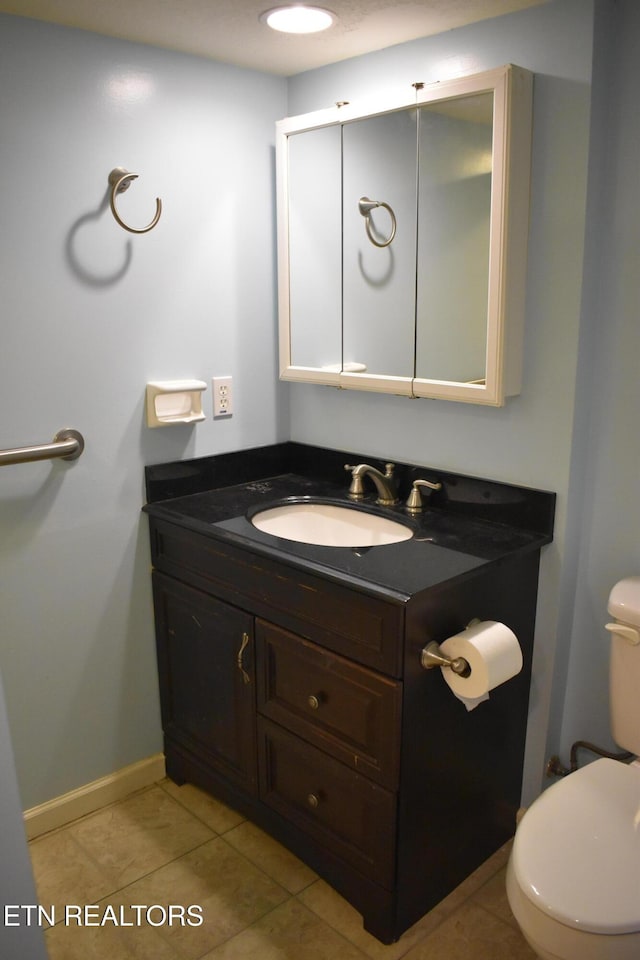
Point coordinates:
[[379, 244], [315, 248], [454, 220]]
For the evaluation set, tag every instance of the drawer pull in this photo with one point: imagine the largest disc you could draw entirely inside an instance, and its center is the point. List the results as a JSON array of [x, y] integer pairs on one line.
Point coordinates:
[[313, 800], [314, 701], [245, 676]]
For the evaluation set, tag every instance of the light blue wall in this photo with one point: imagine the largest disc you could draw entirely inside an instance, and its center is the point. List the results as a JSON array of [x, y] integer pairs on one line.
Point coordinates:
[[89, 315], [540, 438], [606, 476]]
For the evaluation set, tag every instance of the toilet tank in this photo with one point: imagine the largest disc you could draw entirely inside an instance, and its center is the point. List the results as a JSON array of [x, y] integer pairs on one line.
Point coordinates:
[[624, 672]]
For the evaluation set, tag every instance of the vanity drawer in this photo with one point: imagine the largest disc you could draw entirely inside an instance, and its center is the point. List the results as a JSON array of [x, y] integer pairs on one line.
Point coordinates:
[[337, 705], [355, 624], [349, 814]]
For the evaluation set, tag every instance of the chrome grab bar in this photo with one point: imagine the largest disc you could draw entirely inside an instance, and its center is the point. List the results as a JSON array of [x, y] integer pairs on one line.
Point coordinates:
[[67, 444]]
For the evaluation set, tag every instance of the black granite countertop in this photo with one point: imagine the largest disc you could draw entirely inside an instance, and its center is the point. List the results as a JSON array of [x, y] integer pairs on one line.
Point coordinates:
[[453, 536]]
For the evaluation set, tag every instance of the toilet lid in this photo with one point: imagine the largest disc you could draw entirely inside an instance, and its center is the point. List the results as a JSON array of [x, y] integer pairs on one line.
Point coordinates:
[[576, 854]]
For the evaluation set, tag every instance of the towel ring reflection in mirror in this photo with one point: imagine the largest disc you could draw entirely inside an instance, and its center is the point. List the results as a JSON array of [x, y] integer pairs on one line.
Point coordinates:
[[365, 206], [120, 180]]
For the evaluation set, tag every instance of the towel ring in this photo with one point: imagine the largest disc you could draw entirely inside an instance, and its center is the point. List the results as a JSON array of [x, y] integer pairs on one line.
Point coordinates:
[[120, 180], [365, 206]]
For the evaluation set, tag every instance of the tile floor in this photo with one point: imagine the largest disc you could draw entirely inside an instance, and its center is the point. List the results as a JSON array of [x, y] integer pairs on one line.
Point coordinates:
[[175, 846]]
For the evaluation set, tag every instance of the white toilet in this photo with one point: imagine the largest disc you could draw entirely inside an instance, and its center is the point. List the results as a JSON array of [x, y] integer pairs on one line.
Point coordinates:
[[573, 879]]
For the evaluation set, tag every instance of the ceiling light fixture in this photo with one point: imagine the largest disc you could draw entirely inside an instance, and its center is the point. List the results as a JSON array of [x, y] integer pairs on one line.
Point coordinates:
[[298, 18]]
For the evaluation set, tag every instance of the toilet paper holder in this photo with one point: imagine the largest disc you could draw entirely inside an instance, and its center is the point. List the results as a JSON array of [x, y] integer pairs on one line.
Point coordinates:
[[432, 656]]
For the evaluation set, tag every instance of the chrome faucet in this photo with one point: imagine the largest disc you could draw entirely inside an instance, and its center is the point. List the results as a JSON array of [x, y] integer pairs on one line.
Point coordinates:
[[384, 482]]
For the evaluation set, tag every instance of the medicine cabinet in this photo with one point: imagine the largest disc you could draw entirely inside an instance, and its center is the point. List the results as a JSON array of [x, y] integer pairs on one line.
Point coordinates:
[[402, 236]]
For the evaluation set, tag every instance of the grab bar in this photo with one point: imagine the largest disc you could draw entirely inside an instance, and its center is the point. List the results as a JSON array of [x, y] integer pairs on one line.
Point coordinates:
[[67, 444]]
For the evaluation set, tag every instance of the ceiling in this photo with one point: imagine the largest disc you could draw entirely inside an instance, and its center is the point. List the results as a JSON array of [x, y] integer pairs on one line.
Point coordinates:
[[230, 31]]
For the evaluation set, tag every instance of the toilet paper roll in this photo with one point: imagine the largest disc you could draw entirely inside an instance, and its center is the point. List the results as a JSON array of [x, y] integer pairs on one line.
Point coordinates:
[[493, 653]]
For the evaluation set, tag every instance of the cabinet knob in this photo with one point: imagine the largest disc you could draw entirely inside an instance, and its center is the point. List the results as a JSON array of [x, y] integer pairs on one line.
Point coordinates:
[[313, 800], [314, 701]]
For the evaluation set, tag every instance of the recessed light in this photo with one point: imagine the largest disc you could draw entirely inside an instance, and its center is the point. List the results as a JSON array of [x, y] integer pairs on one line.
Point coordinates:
[[298, 18]]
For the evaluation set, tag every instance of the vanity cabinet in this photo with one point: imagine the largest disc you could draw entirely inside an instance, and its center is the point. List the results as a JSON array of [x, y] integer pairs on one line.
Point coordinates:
[[298, 698]]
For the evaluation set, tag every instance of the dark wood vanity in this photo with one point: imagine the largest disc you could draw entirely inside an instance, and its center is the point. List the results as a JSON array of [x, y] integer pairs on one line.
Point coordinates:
[[290, 678]]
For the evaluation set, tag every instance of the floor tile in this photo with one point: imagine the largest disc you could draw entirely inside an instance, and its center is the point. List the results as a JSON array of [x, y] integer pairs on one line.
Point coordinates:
[[214, 814], [106, 943], [271, 857], [493, 897], [129, 839], [472, 933], [334, 910], [231, 891], [170, 846], [64, 872], [290, 932], [329, 905]]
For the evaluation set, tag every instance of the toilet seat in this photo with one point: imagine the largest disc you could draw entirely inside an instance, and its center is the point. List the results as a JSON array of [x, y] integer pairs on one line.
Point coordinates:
[[576, 853]]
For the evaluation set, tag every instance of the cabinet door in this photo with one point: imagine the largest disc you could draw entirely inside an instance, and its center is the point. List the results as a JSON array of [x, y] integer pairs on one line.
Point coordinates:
[[206, 667]]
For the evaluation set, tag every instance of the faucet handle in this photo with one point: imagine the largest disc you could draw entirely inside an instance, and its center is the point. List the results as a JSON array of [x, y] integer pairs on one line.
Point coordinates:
[[414, 500], [356, 490]]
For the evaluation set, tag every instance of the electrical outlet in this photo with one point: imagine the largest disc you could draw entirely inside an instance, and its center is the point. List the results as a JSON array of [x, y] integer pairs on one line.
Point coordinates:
[[222, 396]]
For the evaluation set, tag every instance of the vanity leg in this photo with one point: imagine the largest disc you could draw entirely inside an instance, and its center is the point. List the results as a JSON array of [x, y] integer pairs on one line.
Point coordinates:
[[381, 925], [174, 769]]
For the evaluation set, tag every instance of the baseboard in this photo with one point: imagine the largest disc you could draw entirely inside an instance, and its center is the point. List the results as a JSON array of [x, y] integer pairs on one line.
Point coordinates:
[[92, 796]]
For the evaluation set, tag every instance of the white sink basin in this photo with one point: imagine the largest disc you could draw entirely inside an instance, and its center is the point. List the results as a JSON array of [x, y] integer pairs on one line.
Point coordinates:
[[330, 525]]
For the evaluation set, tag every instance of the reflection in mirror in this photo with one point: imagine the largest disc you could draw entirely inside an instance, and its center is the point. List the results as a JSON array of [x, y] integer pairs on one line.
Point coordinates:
[[315, 231], [454, 211], [379, 163]]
